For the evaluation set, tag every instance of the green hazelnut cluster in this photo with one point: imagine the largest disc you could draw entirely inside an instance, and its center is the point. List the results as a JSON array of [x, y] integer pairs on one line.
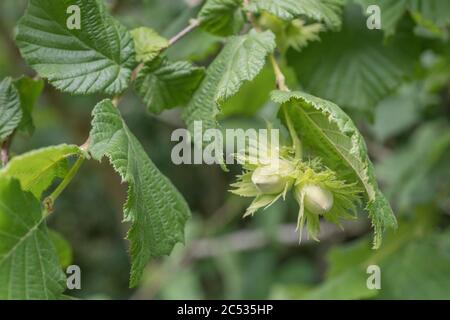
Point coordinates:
[[316, 188]]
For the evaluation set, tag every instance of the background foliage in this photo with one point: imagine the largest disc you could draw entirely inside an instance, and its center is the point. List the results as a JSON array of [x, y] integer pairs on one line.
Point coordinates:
[[395, 83]]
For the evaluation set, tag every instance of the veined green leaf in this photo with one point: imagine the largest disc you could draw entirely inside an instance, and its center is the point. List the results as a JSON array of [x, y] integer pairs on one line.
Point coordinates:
[[36, 170], [164, 85], [10, 111], [148, 44], [241, 60], [330, 133], [156, 209], [222, 17], [29, 91], [97, 58], [354, 67], [29, 267], [326, 11]]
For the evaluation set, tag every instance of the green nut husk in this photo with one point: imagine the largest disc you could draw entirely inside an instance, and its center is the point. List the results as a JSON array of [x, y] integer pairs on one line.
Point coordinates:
[[318, 200]]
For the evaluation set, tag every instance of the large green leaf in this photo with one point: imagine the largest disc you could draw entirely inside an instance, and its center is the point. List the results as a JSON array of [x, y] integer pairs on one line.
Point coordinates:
[[36, 170], [29, 91], [330, 133], [98, 58], [29, 267], [354, 67], [241, 60], [10, 111], [222, 17], [164, 85], [326, 11], [156, 209], [148, 43]]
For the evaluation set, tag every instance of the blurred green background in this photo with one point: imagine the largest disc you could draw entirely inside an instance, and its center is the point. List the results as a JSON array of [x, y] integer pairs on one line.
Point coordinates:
[[397, 90]]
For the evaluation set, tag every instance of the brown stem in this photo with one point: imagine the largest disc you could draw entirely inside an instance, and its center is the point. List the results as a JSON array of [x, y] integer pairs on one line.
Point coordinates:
[[250, 17], [279, 76], [4, 153]]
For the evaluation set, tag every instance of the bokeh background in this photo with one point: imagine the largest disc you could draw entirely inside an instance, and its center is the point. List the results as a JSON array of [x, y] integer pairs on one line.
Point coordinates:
[[395, 87]]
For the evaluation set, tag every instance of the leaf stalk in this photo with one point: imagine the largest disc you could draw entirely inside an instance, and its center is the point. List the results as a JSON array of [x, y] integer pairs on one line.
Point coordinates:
[[50, 200]]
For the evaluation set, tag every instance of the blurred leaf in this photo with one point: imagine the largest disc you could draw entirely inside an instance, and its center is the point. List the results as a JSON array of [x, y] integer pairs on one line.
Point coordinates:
[[163, 85], [353, 67], [156, 209], [29, 267], [222, 17], [399, 112], [29, 91], [184, 285], [327, 11], [62, 247], [254, 94], [417, 171], [431, 14], [196, 46], [98, 58], [296, 271], [288, 292], [351, 284], [228, 264], [258, 272], [147, 43], [438, 73], [419, 271], [10, 111], [36, 170], [331, 134], [413, 264]]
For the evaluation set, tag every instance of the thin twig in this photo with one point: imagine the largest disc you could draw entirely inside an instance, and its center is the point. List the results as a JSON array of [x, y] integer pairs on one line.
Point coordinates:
[[193, 23], [250, 17], [279, 76]]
